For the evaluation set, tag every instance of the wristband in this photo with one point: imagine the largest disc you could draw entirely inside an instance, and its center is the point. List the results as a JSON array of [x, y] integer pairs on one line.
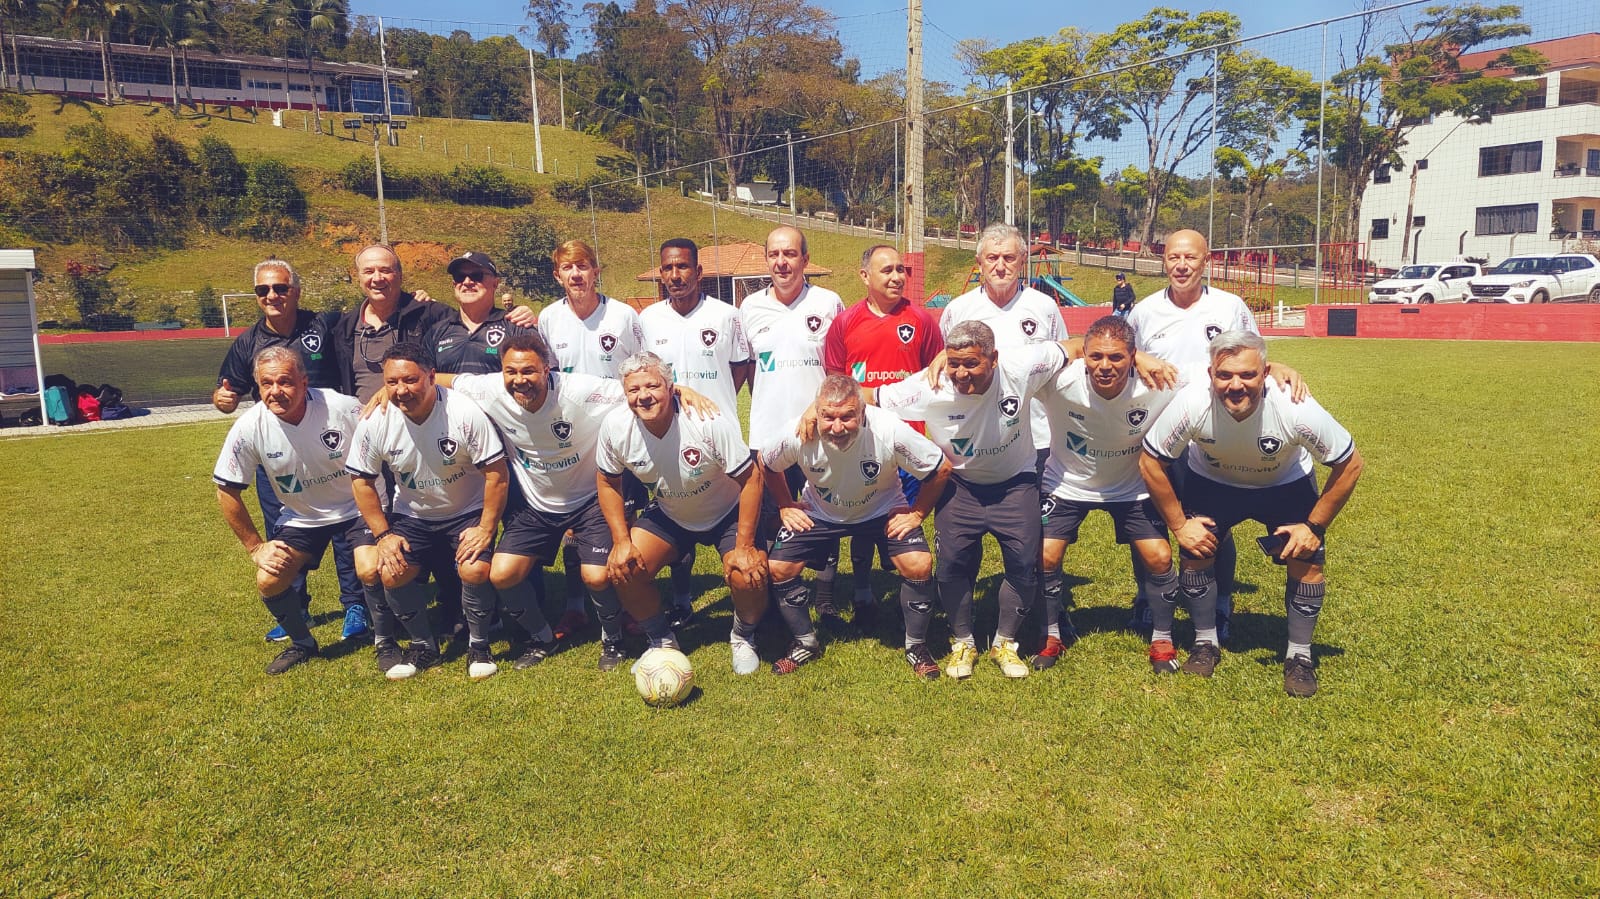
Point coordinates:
[[379, 538], [1320, 530]]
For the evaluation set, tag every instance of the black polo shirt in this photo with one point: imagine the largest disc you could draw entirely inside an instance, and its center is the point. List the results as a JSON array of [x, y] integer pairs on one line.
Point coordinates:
[[312, 337]]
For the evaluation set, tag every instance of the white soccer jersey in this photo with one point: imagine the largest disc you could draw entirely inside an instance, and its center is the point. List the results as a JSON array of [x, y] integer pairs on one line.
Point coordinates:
[[1183, 336], [306, 462], [1274, 446], [1029, 317], [986, 436], [859, 483], [595, 345], [436, 464], [702, 347], [1094, 448], [787, 343], [551, 451], [691, 469]]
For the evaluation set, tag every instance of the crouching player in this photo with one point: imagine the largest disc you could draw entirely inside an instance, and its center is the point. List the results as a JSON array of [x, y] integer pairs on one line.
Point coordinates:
[[450, 488], [1249, 454], [300, 437], [852, 490], [706, 490]]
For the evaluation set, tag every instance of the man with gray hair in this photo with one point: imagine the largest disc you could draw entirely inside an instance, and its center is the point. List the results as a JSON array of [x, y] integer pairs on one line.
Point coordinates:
[[852, 490], [978, 415], [1248, 453]]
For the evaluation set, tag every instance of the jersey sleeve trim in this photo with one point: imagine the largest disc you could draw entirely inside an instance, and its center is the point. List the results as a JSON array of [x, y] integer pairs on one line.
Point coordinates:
[[224, 482], [744, 466], [497, 456], [1155, 450]]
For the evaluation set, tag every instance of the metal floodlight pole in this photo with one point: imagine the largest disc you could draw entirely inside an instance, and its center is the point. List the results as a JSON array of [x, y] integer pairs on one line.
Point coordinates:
[[914, 194], [538, 137], [1322, 121], [1011, 159], [789, 139], [383, 60]]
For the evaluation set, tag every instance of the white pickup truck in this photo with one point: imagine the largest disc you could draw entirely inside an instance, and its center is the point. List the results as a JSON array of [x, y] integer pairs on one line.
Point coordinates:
[[1540, 278], [1426, 284]]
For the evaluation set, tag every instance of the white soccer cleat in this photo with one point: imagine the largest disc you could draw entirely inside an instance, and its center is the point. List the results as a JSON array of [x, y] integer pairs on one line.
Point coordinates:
[[745, 660]]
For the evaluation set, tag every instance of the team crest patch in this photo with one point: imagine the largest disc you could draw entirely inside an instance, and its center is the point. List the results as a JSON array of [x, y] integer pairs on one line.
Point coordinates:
[[332, 439], [1010, 405], [1136, 417], [312, 342], [870, 469], [1269, 445], [1212, 331], [1047, 506], [905, 333], [784, 535], [448, 447], [608, 342], [692, 456], [495, 336], [1030, 327], [814, 322], [562, 429], [708, 337]]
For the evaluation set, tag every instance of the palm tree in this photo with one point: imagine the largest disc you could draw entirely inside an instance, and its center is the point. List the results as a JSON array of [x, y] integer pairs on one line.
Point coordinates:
[[178, 25], [10, 11], [97, 17], [308, 18]]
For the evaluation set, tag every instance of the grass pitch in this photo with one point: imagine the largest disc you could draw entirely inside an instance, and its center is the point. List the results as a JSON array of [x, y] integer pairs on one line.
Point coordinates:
[[1450, 752]]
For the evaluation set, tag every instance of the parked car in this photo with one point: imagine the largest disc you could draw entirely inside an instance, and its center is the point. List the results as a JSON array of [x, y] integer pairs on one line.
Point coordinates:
[[1539, 278], [1425, 284]]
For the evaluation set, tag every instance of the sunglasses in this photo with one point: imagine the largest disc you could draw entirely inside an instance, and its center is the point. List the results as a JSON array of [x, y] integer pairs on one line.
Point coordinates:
[[281, 290], [475, 276]]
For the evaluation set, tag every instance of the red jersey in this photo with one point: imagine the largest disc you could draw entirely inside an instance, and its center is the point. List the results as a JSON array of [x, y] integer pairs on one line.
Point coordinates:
[[877, 350]]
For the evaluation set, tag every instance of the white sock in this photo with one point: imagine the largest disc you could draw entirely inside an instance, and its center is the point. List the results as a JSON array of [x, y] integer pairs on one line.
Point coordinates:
[[1208, 635], [1302, 650], [1161, 635]]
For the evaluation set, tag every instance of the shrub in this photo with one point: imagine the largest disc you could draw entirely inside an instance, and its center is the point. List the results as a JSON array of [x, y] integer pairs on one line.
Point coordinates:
[[275, 202], [219, 182], [208, 306], [484, 185], [618, 196], [526, 252]]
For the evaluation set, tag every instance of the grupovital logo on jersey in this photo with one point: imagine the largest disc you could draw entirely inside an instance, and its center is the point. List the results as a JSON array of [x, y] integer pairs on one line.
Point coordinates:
[[1078, 443], [766, 360], [287, 483], [563, 432], [961, 446], [869, 470], [858, 370], [447, 448]]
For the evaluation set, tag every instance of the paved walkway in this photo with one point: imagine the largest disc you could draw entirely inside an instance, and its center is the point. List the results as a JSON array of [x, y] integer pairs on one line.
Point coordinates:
[[149, 418]]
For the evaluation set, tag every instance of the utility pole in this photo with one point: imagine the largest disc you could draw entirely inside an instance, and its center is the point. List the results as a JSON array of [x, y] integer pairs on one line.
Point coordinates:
[[538, 138], [914, 138], [1011, 159], [376, 119], [561, 89], [789, 139], [383, 59]]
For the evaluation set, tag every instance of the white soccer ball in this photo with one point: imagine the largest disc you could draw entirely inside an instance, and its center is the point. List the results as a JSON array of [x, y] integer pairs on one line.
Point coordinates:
[[664, 677]]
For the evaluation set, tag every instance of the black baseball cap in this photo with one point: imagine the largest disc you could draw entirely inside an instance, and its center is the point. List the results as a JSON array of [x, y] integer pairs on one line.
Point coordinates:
[[1121, 276], [477, 259]]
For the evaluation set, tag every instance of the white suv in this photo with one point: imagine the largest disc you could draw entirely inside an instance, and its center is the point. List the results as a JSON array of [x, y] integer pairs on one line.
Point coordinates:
[[1426, 284], [1543, 278]]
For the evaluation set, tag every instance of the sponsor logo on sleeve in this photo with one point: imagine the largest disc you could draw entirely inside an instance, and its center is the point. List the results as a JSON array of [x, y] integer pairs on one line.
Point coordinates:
[[905, 333]]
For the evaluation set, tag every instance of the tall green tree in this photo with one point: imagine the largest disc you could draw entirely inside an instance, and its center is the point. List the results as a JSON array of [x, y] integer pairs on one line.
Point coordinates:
[[100, 18], [551, 26], [314, 23], [178, 26], [1258, 101]]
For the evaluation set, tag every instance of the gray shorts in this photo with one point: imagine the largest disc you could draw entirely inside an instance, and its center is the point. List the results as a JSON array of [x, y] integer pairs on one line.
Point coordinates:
[[1008, 510], [1133, 520]]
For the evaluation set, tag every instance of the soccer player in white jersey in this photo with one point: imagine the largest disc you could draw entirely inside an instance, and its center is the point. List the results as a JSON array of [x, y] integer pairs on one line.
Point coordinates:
[[852, 489], [979, 416], [707, 491], [703, 342], [1016, 313], [299, 436], [450, 487], [1248, 451], [1099, 413], [1177, 324], [589, 334]]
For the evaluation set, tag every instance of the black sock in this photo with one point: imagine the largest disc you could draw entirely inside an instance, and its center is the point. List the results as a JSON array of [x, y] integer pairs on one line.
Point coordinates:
[[571, 561], [681, 572], [287, 611], [1016, 600], [1053, 586], [1200, 589], [410, 605], [1227, 563], [608, 608], [795, 607], [520, 602], [657, 632], [956, 596], [916, 605], [1163, 592]]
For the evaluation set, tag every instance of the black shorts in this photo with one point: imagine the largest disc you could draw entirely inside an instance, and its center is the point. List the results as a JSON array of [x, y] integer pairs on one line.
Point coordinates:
[[723, 535], [635, 495], [435, 541], [816, 546], [1008, 510], [1133, 519], [1274, 507], [538, 534], [313, 541]]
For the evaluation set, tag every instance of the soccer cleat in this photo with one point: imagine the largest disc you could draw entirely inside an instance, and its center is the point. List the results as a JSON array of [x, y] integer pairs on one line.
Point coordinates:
[[416, 660], [1050, 654], [1163, 658], [745, 660], [1004, 654], [866, 614], [289, 658], [532, 654], [612, 655], [356, 622], [679, 615], [1140, 619], [480, 664], [1224, 618], [962, 657], [389, 655], [1069, 631], [279, 635], [828, 616], [1299, 677], [571, 622], [922, 662], [1203, 659], [798, 654]]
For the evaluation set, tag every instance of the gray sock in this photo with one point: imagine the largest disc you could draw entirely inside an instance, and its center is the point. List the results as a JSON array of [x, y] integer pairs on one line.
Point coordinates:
[[520, 603], [478, 601], [1054, 586], [794, 604], [743, 630], [956, 596], [608, 608], [1162, 590], [1200, 589], [410, 605], [1016, 600], [656, 631], [384, 626], [1227, 562], [1303, 603], [290, 615], [916, 606]]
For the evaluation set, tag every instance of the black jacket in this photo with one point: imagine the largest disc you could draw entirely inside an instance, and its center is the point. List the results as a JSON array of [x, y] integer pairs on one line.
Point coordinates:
[[411, 321]]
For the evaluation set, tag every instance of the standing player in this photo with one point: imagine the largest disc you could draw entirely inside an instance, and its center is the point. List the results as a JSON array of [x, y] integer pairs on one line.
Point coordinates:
[[589, 334], [850, 491], [706, 492], [979, 416], [703, 342], [299, 435], [450, 488], [882, 339], [471, 341], [1098, 413], [1248, 453]]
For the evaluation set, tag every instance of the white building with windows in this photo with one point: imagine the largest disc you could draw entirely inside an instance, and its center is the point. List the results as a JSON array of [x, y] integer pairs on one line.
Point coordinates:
[[1528, 181]]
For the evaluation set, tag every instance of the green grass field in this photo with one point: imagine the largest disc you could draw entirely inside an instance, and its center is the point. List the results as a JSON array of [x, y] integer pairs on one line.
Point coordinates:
[[1451, 751]]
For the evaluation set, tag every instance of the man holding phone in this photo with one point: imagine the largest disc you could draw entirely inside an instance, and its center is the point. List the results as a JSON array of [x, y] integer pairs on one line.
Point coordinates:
[[1249, 453]]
